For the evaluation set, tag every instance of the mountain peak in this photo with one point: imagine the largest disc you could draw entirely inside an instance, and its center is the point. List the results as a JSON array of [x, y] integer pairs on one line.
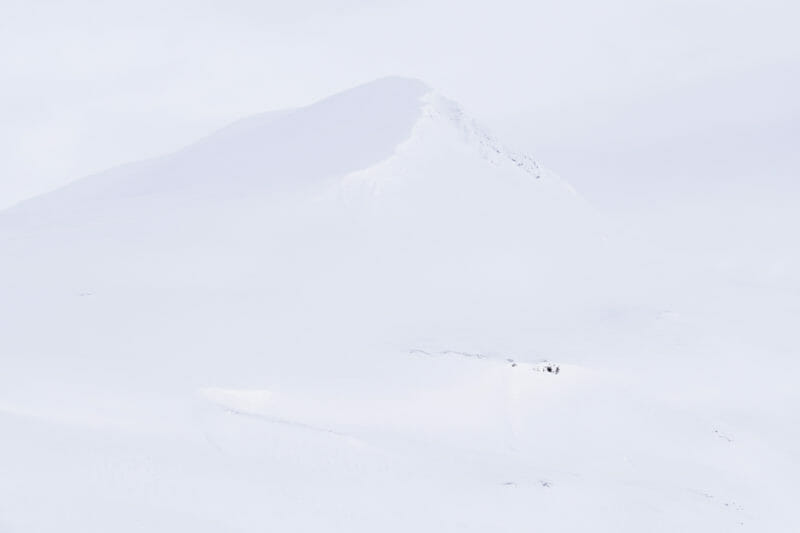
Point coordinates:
[[345, 133]]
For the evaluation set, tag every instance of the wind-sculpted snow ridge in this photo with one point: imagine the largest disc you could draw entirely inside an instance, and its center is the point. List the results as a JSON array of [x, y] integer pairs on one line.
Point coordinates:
[[477, 135]]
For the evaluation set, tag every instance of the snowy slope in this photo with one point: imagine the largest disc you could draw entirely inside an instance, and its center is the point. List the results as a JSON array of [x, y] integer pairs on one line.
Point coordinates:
[[349, 317]]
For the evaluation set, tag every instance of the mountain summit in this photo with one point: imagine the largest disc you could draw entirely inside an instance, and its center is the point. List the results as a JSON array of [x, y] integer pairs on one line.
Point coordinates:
[[386, 180], [344, 134]]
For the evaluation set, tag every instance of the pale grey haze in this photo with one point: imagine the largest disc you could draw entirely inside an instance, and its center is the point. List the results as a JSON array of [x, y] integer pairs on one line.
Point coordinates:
[[588, 87]]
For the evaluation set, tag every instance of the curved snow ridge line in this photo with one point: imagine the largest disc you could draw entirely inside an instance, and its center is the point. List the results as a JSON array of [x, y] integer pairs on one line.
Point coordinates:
[[254, 403], [465, 403], [437, 107], [442, 124], [476, 134]]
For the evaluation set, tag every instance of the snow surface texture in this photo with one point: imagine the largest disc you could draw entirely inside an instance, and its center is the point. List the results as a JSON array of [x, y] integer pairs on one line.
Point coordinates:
[[370, 315]]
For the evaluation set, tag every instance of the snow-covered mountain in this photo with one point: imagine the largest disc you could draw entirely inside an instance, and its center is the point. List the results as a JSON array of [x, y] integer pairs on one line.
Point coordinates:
[[367, 314], [355, 131]]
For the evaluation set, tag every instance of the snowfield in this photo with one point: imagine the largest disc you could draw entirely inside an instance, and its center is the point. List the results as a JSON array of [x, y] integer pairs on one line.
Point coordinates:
[[369, 314]]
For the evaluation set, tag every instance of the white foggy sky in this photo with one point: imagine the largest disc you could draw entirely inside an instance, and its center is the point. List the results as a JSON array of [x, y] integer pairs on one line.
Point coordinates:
[[593, 89]]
